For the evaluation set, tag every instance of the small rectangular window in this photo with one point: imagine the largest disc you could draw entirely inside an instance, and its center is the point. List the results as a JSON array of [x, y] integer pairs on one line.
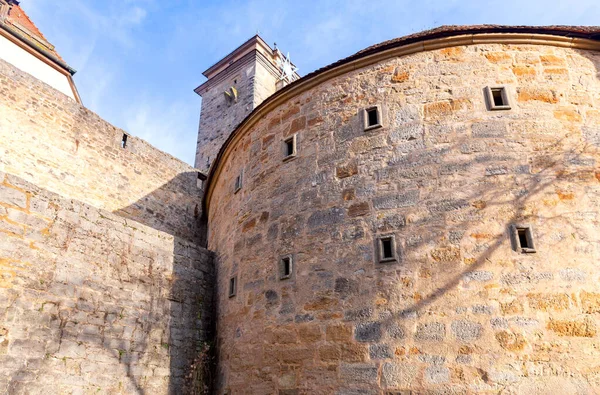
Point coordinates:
[[239, 182], [522, 236], [387, 248], [200, 181], [497, 98], [124, 141], [372, 118], [289, 147], [232, 286], [285, 267]]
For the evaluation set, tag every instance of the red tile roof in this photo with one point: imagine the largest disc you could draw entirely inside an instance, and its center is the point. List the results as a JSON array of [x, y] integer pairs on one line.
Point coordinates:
[[18, 19]]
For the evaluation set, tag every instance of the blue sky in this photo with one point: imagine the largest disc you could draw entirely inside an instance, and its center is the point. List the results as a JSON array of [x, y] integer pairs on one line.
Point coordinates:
[[138, 61]]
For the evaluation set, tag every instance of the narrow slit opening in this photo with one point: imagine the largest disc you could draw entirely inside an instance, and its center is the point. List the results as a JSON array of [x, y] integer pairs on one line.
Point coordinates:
[[124, 141], [232, 286]]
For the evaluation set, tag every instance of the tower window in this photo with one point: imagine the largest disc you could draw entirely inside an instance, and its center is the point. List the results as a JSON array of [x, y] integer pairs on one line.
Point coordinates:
[[387, 248], [239, 181], [200, 180], [286, 267], [232, 286], [124, 141], [522, 236], [497, 98], [372, 118], [289, 147]]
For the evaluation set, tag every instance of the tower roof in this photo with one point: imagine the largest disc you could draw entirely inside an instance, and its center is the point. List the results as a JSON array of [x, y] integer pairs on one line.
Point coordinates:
[[15, 22]]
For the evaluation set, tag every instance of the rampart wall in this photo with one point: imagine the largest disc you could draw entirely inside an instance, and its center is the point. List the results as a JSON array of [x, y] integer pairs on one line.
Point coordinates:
[[105, 286]]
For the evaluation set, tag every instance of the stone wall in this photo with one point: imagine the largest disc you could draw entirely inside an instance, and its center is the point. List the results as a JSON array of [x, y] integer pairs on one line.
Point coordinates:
[[91, 302], [461, 310], [105, 286], [53, 142]]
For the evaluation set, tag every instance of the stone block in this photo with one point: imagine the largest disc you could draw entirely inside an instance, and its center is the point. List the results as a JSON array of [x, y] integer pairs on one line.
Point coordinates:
[[590, 302], [494, 129], [358, 315], [300, 318], [432, 331], [347, 170], [573, 328], [478, 275], [332, 216], [400, 75], [338, 333], [359, 209], [309, 333], [364, 374], [396, 331], [345, 286], [380, 351], [546, 302], [437, 374], [466, 331], [526, 94], [330, 353], [353, 352], [398, 375], [510, 341], [446, 205], [322, 303], [367, 331], [406, 199], [482, 309], [511, 308], [13, 197]]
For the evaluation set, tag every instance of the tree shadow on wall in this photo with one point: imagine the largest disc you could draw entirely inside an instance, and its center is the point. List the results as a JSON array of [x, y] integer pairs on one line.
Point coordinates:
[[148, 299], [548, 175]]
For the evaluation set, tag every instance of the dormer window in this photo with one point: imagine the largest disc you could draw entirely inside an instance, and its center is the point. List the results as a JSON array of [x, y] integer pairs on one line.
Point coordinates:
[[372, 118]]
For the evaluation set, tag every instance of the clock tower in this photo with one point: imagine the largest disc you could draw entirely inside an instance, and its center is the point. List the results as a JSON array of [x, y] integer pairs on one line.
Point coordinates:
[[236, 85]]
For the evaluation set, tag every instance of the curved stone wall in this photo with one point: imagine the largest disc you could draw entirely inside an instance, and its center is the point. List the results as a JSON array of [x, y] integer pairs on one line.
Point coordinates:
[[460, 310]]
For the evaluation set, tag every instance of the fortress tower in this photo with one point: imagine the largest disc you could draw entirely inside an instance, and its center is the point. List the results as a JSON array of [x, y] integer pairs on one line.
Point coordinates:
[[236, 85], [420, 217]]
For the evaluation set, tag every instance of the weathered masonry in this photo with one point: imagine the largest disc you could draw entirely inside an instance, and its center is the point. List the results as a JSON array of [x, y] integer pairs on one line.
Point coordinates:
[[434, 231], [236, 85], [105, 282], [421, 217]]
